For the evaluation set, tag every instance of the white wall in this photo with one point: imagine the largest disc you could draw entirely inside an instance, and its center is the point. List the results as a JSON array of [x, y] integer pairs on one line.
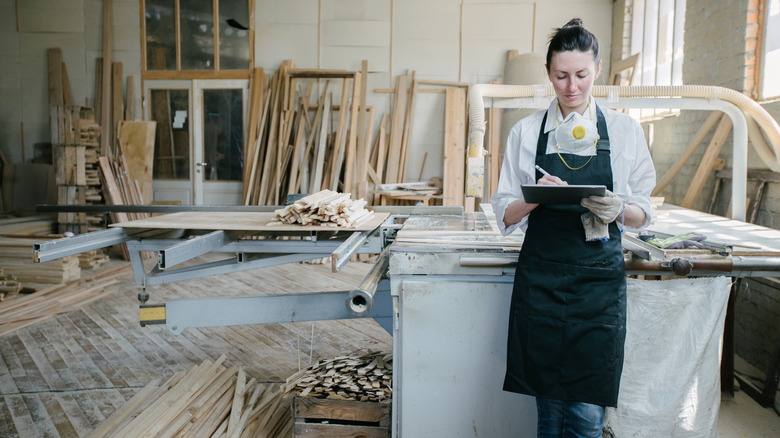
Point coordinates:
[[445, 40]]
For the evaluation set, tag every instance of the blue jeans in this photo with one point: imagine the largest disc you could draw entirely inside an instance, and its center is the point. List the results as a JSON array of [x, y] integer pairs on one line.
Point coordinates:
[[558, 419]]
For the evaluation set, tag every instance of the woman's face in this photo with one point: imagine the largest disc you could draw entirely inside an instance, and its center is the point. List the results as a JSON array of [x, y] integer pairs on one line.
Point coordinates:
[[572, 74]]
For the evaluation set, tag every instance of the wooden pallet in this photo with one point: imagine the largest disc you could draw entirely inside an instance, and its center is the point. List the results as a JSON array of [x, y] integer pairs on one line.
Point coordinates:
[[316, 417]]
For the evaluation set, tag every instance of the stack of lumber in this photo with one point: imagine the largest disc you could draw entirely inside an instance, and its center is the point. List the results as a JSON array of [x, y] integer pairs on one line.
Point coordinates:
[[362, 376], [9, 286], [74, 138], [28, 225], [325, 207], [121, 189], [92, 259], [16, 259], [26, 310], [295, 145], [210, 400]]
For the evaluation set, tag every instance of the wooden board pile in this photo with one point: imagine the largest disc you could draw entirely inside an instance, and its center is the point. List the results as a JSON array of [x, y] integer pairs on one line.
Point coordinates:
[[25, 310], [362, 376], [210, 400], [92, 259], [16, 258], [75, 157], [121, 189], [326, 208], [302, 139]]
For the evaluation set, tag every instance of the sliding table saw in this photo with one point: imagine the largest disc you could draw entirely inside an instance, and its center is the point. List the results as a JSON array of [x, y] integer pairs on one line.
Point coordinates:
[[441, 285]]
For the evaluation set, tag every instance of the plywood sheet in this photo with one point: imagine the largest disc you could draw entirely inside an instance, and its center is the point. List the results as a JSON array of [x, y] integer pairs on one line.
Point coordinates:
[[136, 139], [239, 221]]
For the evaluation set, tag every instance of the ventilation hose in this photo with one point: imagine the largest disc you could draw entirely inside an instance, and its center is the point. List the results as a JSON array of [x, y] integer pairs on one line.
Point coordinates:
[[767, 145]]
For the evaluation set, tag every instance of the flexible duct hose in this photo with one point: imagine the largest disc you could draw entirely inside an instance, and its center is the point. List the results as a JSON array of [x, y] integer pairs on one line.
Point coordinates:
[[752, 109]]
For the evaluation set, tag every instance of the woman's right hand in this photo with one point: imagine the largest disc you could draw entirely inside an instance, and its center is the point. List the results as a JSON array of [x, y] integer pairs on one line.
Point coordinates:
[[551, 180]]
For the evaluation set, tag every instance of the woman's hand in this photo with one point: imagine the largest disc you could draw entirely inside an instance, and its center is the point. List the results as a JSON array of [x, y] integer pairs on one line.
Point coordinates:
[[550, 180], [517, 210]]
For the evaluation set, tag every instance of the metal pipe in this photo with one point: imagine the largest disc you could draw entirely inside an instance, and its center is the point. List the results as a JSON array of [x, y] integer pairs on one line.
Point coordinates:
[[360, 301]]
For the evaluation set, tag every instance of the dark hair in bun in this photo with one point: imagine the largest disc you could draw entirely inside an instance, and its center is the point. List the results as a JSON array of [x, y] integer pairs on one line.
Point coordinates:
[[572, 37]]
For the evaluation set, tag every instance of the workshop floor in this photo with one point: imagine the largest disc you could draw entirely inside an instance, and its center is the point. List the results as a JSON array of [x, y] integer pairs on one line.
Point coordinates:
[[65, 375]]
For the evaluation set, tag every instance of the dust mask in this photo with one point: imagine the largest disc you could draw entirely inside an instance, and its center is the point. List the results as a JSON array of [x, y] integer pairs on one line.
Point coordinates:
[[576, 133]]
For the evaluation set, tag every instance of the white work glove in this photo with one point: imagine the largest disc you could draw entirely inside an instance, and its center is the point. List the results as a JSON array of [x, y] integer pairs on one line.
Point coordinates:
[[607, 207], [595, 228]]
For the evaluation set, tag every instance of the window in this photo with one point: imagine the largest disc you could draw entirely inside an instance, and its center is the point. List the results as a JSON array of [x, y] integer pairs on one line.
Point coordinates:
[[657, 28], [181, 36], [770, 63]]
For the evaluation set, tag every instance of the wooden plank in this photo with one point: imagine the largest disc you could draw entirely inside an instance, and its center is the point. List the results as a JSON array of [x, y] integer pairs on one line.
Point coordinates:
[[136, 141], [117, 103], [363, 133], [407, 128], [396, 131], [354, 115], [98, 104], [454, 147], [314, 133], [316, 182], [708, 160], [337, 155], [66, 93], [55, 76], [246, 221], [130, 98], [689, 150], [105, 110], [494, 136]]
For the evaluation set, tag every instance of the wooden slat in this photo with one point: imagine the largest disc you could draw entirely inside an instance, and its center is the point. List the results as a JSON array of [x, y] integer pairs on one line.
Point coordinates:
[[105, 110], [689, 150], [708, 160], [130, 98], [354, 115], [396, 131], [55, 76], [454, 147], [117, 102]]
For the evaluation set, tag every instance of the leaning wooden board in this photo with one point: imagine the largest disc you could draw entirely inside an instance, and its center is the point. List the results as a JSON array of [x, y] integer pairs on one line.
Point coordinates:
[[240, 221]]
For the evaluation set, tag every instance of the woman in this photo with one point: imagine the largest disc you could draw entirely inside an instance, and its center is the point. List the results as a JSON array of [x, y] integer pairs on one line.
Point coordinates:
[[567, 318]]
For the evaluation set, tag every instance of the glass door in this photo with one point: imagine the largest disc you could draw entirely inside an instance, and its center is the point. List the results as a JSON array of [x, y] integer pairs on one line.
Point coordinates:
[[199, 147], [219, 116]]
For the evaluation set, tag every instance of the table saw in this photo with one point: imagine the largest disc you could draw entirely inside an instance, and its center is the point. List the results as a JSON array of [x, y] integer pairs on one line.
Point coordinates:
[[441, 285]]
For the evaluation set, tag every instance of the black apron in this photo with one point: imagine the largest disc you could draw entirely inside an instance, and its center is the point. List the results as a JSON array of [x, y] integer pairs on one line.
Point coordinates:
[[567, 321]]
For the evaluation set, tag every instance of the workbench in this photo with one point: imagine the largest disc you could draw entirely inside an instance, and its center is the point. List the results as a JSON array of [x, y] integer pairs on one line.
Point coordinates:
[[442, 287]]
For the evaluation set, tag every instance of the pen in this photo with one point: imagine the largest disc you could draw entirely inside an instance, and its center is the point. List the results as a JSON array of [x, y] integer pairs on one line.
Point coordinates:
[[544, 172]]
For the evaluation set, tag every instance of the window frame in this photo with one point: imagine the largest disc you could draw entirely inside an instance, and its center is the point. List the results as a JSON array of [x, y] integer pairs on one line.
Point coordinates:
[[646, 40], [215, 73]]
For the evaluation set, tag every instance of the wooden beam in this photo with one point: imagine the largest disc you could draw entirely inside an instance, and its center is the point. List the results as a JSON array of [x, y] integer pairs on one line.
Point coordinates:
[[454, 147], [55, 76], [689, 150], [396, 131], [130, 98], [105, 110], [707, 161]]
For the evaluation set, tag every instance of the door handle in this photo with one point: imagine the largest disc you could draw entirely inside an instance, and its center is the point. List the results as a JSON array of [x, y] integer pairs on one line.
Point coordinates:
[[202, 164]]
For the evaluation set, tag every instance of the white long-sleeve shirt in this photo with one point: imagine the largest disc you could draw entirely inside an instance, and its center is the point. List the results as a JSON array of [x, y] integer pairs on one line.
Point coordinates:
[[633, 173]]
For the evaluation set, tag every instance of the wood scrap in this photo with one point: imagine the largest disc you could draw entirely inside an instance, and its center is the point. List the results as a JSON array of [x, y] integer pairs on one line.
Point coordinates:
[[26, 310], [324, 208], [361, 375], [208, 400]]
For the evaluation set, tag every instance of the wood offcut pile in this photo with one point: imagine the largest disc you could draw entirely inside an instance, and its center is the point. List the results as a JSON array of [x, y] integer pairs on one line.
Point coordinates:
[[25, 310], [210, 400], [361, 376], [327, 208]]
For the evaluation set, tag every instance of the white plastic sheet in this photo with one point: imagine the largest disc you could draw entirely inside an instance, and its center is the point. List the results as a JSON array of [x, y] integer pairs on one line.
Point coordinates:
[[670, 386]]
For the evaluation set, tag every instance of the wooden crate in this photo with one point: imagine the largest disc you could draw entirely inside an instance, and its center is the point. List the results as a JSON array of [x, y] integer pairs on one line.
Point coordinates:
[[324, 418]]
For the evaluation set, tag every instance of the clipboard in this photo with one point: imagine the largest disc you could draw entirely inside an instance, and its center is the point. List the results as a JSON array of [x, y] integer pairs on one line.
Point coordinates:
[[551, 194]]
